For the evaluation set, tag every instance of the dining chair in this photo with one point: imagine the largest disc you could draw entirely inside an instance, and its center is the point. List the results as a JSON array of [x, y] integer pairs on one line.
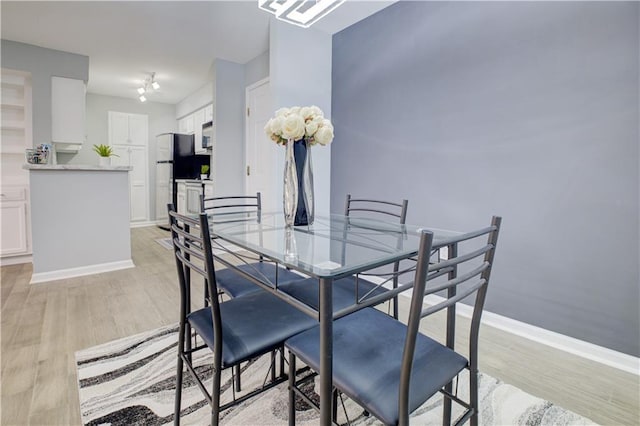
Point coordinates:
[[389, 368], [352, 289], [236, 330], [240, 208]]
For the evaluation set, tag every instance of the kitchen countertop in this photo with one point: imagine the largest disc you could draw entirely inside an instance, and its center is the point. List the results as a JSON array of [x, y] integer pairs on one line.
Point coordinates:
[[194, 181], [76, 167]]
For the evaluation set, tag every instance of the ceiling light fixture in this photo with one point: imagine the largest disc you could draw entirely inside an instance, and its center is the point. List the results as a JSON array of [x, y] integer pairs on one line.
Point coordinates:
[[302, 13], [148, 85]]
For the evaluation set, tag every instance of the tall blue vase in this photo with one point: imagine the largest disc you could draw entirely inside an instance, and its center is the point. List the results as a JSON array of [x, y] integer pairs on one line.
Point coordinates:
[[305, 210]]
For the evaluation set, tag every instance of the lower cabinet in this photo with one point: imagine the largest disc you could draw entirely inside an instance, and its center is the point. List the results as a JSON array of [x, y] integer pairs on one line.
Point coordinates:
[[15, 222], [189, 195]]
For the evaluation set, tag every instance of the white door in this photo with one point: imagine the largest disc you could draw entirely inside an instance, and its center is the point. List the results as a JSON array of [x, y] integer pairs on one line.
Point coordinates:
[[261, 152], [135, 157], [138, 129], [118, 128]]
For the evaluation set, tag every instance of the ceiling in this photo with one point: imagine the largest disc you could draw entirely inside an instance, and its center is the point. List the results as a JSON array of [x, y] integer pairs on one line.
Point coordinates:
[[126, 41]]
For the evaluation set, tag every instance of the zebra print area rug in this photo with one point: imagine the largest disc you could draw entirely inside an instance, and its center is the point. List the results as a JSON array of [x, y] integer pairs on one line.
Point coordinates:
[[131, 381]]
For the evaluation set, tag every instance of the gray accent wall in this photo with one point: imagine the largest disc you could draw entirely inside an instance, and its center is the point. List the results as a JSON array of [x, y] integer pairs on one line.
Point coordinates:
[[528, 110], [43, 64]]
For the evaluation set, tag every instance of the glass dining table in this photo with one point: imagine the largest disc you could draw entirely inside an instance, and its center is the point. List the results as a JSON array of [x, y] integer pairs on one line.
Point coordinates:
[[331, 248]]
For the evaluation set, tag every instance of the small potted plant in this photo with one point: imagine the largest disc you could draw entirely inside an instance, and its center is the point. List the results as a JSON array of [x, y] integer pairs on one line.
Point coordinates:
[[105, 152], [204, 172]]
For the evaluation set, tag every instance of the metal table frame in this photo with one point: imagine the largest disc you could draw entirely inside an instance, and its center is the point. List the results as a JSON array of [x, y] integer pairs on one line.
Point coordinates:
[[228, 230]]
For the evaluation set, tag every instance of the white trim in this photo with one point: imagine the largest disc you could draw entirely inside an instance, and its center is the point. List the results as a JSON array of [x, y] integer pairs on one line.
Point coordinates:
[[16, 260], [81, 271], [143, 223], [581, 348]]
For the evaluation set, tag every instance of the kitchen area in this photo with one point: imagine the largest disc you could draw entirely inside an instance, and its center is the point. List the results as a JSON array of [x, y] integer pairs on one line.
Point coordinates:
[[70, 215]]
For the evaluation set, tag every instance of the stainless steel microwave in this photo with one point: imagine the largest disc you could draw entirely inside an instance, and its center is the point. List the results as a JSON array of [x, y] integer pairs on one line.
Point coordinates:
[[207, 134]]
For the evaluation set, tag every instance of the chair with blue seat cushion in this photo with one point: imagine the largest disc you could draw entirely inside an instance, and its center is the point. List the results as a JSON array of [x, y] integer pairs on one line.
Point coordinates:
[[236, 330], [390, 368], [238, 208], [350, 290]]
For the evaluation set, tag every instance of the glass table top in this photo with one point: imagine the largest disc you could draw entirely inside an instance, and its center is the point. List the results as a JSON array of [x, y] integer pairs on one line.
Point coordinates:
[[331, 247]]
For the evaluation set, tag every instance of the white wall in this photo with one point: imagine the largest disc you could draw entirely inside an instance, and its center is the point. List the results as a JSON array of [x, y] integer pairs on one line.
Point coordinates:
[[162, 119], [300, 75], [198, 99], [228, 155]]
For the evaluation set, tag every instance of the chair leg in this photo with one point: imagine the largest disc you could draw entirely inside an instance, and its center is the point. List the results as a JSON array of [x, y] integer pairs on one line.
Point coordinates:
[[272, 366], [215, 398], [179, 373], [237, 383], [446, 406], [292, 393], [282, 373], [180, 370], [473, 396]]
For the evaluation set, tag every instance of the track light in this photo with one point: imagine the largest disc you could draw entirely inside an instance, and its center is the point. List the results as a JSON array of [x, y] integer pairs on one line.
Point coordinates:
[[148, 86]]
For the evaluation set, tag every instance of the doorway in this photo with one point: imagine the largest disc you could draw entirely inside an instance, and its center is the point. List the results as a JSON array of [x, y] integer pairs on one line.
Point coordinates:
[[261, 153]]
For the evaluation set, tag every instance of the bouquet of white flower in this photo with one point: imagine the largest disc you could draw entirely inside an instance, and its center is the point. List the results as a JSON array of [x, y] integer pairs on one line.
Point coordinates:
[[297, 123]]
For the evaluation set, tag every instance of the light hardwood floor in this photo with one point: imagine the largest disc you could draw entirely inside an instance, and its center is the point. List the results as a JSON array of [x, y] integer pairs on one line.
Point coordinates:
[[44, 324]]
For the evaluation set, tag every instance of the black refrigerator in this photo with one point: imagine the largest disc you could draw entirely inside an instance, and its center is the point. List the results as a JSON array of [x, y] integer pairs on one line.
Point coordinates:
[[175, 159]]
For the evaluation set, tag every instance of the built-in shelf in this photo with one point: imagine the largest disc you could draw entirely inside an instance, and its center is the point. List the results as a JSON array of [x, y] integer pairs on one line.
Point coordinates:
[[12, 105], [13, 80], [12, 125]]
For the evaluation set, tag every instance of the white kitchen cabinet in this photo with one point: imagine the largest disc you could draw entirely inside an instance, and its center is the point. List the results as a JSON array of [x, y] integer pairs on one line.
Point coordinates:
[[15, 221], [68, 105], [136, 157], [208, 188], [181, 197], [185, 125], [208, 113], [128, 129]]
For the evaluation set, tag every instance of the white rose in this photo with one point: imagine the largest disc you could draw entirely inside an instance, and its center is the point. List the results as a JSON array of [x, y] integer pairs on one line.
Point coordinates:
[[293, 127], [276, 125], [294, 110], [324, 135], [317, 112], [305, 112], [311, 128], [282, 112]]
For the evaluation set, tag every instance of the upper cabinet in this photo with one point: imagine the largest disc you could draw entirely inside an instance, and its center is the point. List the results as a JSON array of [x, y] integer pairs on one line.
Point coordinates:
[[192, 124], [128, 129], [68, 104]]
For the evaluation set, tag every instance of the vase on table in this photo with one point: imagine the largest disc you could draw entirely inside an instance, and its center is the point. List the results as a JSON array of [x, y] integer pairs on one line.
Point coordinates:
[[104, 161], [298, 199]]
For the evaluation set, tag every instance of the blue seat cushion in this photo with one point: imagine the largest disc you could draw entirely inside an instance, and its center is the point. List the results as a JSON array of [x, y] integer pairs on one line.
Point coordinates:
[[235, 285], [367, 356], [344, 291], [251, 325]]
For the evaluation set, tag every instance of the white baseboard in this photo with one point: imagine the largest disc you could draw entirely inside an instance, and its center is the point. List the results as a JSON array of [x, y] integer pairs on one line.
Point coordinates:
[[590, 351], [586, 350], [16, 260], [142, 224], [61, 274]]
